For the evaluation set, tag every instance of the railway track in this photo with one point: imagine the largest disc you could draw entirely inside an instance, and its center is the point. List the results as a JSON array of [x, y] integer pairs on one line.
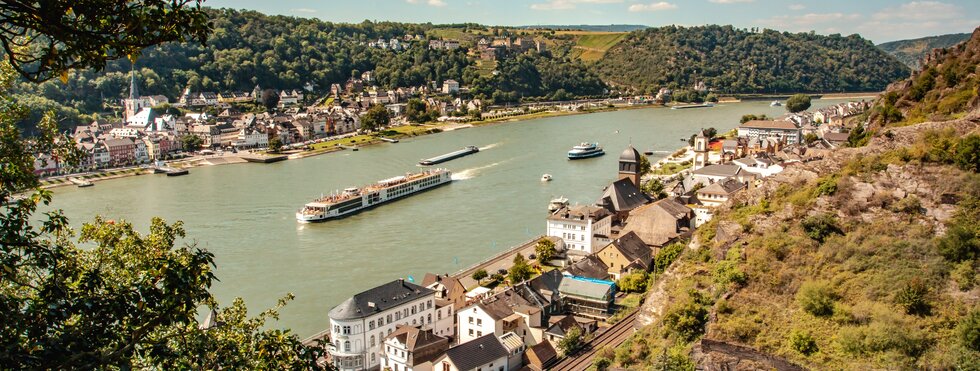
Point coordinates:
[[613, 336]]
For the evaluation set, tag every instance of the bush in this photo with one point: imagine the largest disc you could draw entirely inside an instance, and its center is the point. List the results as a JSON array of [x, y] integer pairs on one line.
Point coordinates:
[[601, 363], [969, 330], [479, 274], [817, 298], [727, 272], [908, 205], [803, 343], [819, 227], [912, 297], [964, 274], [687, 317], [545, 250], [572, 341], [968, 153], [633, 282], [961, 243]]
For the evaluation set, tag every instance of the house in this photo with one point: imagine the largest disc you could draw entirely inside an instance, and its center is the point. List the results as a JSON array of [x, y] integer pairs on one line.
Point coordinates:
[[410, 347], [450, 87], [660, 223], [122, 151], [508, 311], [761, 165], [624, 254], [582, 228], [716, 172], [450, 298], [590, 267], [621, 197], [484, 353], [836, 140], [541, 356], [515, 350], [588, 297], [718, 193], [771, 129], [361, 323], [560, 326]]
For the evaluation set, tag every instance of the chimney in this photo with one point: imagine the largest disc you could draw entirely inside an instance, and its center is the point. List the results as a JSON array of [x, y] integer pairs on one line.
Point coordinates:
[[401, 281]]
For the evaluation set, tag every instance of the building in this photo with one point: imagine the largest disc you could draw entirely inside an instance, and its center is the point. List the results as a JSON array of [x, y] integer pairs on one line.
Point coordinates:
[[700, 150], [540, 357], [625, 254], [771, 129], [629, 165], [582, 228], [450, 298], [361, 323], [121, 151], [450, 87], [660, 223], [590, 267], [485, 353], [718, 193], [410, 348], [588, 297], [621, 197]]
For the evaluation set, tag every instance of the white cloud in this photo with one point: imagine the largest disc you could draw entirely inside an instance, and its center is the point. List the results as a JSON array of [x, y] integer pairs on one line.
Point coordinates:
[[429, 2], [568, 4], [730, 1], [797, 7], [652, 7], [920, 11], [303, 10]]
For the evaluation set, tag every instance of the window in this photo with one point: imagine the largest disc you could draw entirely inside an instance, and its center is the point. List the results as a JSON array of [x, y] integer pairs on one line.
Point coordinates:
[[479, 322], [406, 312], [429, 317], [471, 320], [371, 325], [388, 319], [346, 330], [471, 332], [347, 346], [372, 360], [479, 333], [336, 328], [372, 341], [429, 305], [422, 306], [381, 321], [398, 316], [439, 315], [413, 310], [413, 321]]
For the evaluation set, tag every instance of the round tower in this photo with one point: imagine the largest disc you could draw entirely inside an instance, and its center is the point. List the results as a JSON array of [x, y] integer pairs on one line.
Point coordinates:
[[629, 165]]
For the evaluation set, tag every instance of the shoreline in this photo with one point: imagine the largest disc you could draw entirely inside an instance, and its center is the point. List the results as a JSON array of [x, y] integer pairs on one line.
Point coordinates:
[[420, 130]]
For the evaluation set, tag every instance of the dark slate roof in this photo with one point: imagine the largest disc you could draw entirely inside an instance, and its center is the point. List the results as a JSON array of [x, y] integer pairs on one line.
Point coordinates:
[[622, 195], [549, 281], [477, 352], [632, 248], [563, 325], [591, 267], [630, 155], [581, 212], [382, 298], [720, 170]]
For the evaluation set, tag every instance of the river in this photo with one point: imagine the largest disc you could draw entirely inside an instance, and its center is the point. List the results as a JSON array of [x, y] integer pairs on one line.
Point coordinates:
[[244, 213]]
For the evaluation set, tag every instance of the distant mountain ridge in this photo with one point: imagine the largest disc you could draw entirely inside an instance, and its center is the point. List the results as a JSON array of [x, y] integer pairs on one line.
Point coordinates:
[[912, 51], [587, 27]]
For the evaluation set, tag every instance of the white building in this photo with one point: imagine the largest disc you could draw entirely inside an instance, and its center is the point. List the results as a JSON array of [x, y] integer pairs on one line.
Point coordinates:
[[125, 133], [450, 87], [361, 323], [583, 228], [412, 349], [764, 167], [141, 153], [766, 129]]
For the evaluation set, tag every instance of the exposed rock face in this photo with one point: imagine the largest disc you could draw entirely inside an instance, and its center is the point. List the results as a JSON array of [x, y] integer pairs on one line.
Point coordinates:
[[711, 355]]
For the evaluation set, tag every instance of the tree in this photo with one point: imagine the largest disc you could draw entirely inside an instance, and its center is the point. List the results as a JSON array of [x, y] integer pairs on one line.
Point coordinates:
[[644, 165], [655, 188], [798, 103], [545, 250], [191, 142], [44, 39], [416, 111], [479, 275], [633, 282], [750, 117], [270, 99], [572, 341], [969, 330], [376, 118], [275, 144], [520, 271]]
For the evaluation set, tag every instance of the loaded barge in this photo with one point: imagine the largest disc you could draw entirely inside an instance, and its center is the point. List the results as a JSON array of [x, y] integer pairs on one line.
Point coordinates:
[[353, 200], [466, 151]]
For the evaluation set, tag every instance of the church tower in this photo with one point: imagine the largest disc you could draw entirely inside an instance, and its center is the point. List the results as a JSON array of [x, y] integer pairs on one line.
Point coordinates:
[[134, 103], [700, 150], [629, 166]]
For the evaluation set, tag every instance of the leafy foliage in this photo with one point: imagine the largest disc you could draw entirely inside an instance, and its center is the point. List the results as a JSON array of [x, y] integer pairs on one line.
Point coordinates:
[[376, 117], [798, 103], [573, 340], [819, 227], [739, 61], [479, 274], [816, 297], [191, 142], [803, 342], [545, 250], [912, 297], [633, 282], [687, 317], [969, 330], [520, 271]]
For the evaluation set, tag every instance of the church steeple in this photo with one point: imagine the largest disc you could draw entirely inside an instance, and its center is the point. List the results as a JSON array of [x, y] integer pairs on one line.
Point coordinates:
[[134, 92], [629, 165]]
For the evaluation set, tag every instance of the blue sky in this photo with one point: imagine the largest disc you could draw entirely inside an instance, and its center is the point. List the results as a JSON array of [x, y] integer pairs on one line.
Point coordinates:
[[878, 20]]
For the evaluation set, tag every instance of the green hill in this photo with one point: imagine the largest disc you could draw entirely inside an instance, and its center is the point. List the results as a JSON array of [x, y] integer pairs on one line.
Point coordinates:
[[733, 60], [912, 51]]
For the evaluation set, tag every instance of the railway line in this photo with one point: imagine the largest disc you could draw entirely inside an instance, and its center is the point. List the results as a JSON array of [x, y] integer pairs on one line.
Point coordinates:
[[613, 336]]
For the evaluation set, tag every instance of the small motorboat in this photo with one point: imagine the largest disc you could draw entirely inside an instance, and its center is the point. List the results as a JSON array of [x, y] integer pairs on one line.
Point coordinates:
[[775, 103], [546, 178], [557, 204]]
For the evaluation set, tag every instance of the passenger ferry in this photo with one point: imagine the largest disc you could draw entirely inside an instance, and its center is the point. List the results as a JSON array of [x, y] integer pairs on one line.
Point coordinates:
[[585, 150], [352, 200]]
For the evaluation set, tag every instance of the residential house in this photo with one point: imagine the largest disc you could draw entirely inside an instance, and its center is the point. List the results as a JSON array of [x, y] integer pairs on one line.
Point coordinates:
[[121, 151], [360, 324], [450, 298], [771, 129], [719, 192], [762, 165], [625, 254], [450, 87], [561, 325], [588, 297], [484, 353], [410, 347], [659, 223], [590, 267], [541, 356], [582, 228]]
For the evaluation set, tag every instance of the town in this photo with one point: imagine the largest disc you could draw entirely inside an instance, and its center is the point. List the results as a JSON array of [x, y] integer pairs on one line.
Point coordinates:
[[539, 305]]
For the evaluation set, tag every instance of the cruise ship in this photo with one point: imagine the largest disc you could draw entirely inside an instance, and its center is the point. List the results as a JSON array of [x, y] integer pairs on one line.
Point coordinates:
[[585, 150], [352, 200]]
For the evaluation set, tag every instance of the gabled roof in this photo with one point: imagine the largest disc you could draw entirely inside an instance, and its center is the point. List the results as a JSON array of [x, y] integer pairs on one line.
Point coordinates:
[[581, 212], [586, 288], [415, 339], [563, 325], [769, 124], [591, 267], [649, 224], [541, 355], [631, 247], [722, 188], [379, 299], [476, 352], [622, 195], [719, 170]]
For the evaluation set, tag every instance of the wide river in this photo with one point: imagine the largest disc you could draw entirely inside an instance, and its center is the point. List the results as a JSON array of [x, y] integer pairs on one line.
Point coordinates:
[[244, 213]]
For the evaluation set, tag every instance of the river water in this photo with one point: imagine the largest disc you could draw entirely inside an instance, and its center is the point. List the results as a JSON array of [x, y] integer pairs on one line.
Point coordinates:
[[244, 213]]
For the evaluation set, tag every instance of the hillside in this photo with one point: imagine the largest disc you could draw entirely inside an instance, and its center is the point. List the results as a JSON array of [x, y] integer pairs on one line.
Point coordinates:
[[733, 60], [945, 87], [586, 27], [865, 258], [912, 51]]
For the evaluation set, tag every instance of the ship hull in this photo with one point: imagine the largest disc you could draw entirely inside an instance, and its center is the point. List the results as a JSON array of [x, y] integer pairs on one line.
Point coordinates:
[[300, 217]]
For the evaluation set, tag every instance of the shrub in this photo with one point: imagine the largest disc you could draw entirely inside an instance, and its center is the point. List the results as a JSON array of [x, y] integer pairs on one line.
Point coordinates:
[[727, 272], [545, 250], [960, 243], [666, 256], [912, 297], [816, 297], [968, 153], [969, 330], [818, 227], [601, 363], [964, 274], [802, 342], [908, 205], [571, 342], [633, 282], [687, 317]]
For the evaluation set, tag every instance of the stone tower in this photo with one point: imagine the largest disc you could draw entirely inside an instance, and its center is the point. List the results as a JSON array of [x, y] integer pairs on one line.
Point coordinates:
[[700, 150], [629, 165]]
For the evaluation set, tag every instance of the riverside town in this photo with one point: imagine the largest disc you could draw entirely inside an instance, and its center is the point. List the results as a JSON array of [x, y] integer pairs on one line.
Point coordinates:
[[443, 185]]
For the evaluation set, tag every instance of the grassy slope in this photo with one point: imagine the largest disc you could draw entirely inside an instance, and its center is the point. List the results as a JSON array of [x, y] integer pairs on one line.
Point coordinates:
[[592, 46]]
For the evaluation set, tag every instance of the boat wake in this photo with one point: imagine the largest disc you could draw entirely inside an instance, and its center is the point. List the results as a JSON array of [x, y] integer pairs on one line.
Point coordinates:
[[662, 152], [472, 172], [489, 146]]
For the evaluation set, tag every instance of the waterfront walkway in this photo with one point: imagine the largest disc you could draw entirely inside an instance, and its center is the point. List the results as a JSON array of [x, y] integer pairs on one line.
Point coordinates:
[[503, 260]]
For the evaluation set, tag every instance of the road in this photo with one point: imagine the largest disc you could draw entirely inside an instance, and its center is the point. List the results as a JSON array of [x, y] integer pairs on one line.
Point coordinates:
[[612, 337], [503, 260]]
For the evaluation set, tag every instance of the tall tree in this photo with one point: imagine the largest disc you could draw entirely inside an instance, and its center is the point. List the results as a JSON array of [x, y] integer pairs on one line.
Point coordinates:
[[798, 103], [270, 99], [376, 118]]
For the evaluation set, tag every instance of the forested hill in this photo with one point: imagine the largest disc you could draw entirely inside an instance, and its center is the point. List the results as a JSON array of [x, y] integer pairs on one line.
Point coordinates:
[[912, 51], [734, 60]]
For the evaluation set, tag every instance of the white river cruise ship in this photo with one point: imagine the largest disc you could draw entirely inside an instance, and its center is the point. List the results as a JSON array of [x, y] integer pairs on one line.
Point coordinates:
[[352, 200]]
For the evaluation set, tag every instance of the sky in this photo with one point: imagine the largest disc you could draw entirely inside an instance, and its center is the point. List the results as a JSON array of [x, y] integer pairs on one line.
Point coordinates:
[[877, 20]]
